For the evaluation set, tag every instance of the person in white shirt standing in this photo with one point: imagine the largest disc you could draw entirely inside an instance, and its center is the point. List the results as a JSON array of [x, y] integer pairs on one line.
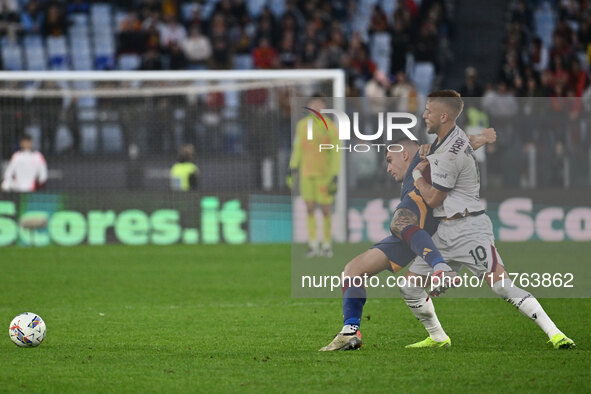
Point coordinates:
[[27, 170], [464, 236]]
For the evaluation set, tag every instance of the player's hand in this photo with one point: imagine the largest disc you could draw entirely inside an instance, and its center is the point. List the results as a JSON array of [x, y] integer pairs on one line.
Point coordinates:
[[490, 135], [289, 178], [333, 185], [424, 150], [422, 165]]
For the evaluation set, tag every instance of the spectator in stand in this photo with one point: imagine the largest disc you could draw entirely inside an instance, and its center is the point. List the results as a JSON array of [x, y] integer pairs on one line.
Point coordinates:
[[510, 69], [584, 35], [400, 43], [131, 37], [9, 11], [27, 170], [287, 52], [522, 15], [243, 45], [427, 44], [32, 18], [197, 49], [406, 92], [176, 57], [267, 27], [471, 86], [577, 78], [289, 25], [308, 55], [221, 48], [378, 21], [538, 55], [264, 56], [560, 47], [172, 32], [151, 19], [332, 53], [54, 24], [560, 75], [151, 60], [224, 9]]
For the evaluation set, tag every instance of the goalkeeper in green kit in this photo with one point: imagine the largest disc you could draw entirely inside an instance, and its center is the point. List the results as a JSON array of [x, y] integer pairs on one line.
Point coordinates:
[[318, 172]]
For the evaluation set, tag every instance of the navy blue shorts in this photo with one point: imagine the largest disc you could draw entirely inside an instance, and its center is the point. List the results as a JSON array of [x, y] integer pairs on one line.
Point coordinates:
[[396, 250]]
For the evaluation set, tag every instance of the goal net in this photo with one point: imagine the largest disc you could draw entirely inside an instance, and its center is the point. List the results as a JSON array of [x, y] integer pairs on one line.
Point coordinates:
[[110, 141]]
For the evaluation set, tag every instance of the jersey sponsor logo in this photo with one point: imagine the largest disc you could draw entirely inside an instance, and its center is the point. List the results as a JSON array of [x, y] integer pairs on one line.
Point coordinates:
[[457, 146], [440, 175]]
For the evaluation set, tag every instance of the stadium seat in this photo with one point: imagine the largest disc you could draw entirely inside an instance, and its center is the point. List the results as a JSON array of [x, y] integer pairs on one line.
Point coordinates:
[[111, 138], [11, 56], [34, 53], [100, 14], [255, 7], [57, 51], [78, 19], [380, 51], [243, 62], [545, 20], [129, 61], [423, 76], [104, 48], [187, 10], [85, 102]]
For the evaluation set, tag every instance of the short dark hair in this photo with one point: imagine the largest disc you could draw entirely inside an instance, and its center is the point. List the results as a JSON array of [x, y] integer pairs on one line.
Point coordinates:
[[26, 137], [451, 98], [405, 142]]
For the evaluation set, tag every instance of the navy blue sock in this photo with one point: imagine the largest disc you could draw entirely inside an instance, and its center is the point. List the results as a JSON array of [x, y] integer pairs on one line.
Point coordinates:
[[421, 244], [353, 301]]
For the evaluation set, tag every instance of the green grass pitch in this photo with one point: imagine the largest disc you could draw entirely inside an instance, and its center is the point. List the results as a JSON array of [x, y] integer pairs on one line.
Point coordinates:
[[221, 319]]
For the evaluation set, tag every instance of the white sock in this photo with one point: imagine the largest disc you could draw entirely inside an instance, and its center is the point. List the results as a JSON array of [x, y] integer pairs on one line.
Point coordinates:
[[424, 311], [326, 245], [349, 329], [313, 245], [527, 304]]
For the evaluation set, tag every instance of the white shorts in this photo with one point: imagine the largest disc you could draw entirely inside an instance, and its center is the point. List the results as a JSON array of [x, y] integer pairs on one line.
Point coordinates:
[[467, 242]]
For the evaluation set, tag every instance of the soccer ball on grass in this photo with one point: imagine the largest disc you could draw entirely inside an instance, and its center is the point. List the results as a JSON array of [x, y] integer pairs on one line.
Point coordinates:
[[27, 330]]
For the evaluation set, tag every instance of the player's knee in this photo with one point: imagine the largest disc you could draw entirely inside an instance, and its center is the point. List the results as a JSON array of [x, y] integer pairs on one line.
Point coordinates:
[[410, 291], [351, 269]]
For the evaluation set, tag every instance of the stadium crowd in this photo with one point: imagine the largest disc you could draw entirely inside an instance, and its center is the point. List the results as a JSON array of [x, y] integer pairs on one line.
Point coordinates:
[[388, 48]]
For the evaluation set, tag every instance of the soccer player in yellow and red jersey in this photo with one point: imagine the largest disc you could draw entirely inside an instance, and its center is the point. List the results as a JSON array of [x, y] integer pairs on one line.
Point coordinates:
[[318, 172]]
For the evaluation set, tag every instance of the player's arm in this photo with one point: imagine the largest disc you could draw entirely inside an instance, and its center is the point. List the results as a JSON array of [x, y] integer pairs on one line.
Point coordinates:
[[296, 154], [296, 158], [433, 196], [42, 175], [487, 136], [9, 174], [335, 160]]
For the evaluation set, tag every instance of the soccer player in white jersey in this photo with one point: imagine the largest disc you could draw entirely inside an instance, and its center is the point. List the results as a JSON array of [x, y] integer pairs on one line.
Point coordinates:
[[465, 234], [27, 170]]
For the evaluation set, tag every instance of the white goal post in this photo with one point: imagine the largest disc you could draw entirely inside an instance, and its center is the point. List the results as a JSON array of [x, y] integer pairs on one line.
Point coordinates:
[[229, 80]]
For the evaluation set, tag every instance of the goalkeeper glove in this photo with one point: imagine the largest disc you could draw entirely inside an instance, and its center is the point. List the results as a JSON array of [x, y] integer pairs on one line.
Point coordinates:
[[333, 185], [289, 178]]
